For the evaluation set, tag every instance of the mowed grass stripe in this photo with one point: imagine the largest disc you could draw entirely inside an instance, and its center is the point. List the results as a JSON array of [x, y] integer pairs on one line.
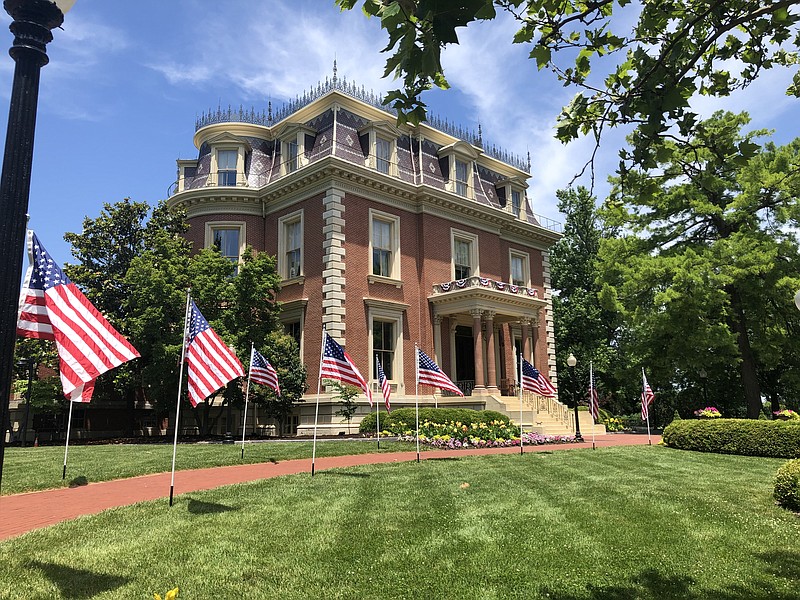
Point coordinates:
[[634, 522]]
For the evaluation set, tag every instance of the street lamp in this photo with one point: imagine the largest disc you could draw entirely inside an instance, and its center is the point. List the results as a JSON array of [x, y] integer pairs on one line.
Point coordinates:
[[32, 22], [571, 362], [703, 376]]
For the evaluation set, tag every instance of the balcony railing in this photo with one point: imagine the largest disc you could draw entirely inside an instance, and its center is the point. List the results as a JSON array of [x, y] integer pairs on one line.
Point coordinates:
[[483, 282]]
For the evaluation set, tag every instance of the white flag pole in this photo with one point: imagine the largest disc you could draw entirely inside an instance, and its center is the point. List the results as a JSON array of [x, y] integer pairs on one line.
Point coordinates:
[[180, 389], [247, 394], [66, 447], [319, 390], [592, 402], [647, 406], [416, 396], [377, 406], [519, 372]]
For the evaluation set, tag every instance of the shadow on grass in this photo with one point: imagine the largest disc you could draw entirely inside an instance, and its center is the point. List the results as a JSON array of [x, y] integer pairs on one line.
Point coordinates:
[[78, 481], [198, 507], [782, 563], [76, 583], [651, 584]]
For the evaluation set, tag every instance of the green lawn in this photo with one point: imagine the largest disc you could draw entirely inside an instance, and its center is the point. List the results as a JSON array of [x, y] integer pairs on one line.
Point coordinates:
[[29, 469], [614, 523]]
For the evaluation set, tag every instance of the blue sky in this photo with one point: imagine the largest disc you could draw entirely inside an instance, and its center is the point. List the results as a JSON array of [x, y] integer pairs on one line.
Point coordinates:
[[126, 80]]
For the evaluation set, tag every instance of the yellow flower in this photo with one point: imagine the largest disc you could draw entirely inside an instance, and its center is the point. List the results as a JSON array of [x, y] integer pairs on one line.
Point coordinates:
[[171, 595]]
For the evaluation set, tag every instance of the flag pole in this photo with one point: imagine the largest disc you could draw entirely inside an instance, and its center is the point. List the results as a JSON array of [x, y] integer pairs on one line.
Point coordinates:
[[644, 399], [180, 389], [592, 401], [66, 447], [416, 396], [519, 372], [247, 395], [378, 408], [316, 410]]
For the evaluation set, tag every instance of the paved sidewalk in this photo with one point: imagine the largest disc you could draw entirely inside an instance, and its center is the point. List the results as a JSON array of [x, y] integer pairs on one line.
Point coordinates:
[[33, 510]]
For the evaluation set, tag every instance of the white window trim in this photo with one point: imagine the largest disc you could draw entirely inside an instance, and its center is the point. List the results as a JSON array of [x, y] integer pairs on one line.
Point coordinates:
[[212, 226], [381, 310], [294, 217], [387, 132], [526, 266], [294, 311], [214, 175], [457, 234], [394, 220], [294, 132], [467, 154]]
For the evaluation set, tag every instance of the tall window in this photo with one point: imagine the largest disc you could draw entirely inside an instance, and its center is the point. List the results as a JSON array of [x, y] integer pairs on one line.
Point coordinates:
[[291, 156], [516, 202], [293, 329], [294, 241], [463, 258], [383, 155], [227, 242], [461, 178], [226, 167], [383, 345], [517, 275], [381, 248]]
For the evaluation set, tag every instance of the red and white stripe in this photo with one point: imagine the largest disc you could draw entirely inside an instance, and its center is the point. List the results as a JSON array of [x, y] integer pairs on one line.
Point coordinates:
[[211, 364]]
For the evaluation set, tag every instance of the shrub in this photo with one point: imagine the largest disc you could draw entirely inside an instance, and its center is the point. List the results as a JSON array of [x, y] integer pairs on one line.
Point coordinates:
[[787, 485], [775, 439], [433, 415], [709, 412]]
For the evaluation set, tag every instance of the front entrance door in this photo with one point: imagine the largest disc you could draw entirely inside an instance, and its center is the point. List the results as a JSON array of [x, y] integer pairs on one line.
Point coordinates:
[[465, 354]]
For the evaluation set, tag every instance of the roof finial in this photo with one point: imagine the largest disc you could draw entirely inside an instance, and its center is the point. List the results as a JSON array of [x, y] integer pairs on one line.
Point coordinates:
[[334, 71], [529, 161], [269, 110], [480, 135]]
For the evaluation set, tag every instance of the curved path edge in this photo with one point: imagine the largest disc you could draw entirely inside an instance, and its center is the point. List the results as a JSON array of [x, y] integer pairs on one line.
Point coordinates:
[[25, 512]]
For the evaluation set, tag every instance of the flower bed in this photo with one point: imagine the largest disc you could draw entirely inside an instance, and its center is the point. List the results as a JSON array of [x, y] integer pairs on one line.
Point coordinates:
[[452, 443], [709, 412]]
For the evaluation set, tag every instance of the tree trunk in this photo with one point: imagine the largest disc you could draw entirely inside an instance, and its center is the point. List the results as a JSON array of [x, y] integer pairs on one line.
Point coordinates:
[[749, 369]]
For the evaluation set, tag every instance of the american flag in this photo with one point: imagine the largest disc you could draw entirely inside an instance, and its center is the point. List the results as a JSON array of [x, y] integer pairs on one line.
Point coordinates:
[[336, 364], [594, 401], [384, 383], [536, 382], [264, 373], [429, 373], [51, 307], [647, 398], [211, 364]]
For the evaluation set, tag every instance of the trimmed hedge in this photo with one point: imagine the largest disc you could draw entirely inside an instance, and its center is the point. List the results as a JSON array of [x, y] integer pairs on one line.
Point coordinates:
[[774, 439], [434, 415], [787, 485]]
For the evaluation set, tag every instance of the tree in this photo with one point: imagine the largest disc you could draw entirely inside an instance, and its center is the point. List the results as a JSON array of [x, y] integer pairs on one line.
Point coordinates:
[[283, 354], [582, 326], [648, 74], [706, 262], [105, 250], [347, 406]]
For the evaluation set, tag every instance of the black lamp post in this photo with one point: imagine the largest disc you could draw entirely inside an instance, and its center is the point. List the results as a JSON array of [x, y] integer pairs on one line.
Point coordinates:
[[571, 362], [703, 375], [31, 25]]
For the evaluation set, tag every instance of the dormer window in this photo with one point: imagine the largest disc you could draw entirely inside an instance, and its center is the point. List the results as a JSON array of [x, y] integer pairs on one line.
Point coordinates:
[[458, 160], [383, 155], [379, 144], [226, 167], [227, 160], [296, 140], [512, 195]]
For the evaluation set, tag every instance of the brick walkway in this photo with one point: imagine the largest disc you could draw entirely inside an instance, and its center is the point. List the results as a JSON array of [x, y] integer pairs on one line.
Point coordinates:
[[33, 510]]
